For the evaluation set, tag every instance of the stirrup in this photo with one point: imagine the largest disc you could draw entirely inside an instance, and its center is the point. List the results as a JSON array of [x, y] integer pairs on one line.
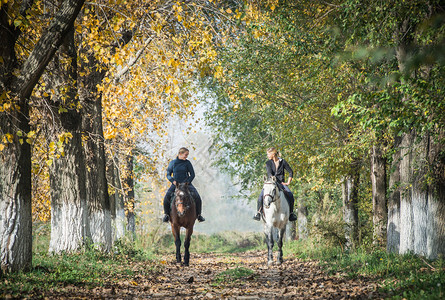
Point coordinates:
[[200, 218], [292, 217], [257, 217]]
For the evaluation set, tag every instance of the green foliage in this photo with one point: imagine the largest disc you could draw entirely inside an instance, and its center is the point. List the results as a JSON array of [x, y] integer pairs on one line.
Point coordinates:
[[232, 275], [402, 276], [88, 268], [278, 89], [224, 242]]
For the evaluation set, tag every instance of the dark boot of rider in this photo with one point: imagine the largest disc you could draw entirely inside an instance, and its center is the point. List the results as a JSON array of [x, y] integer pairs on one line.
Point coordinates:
[[198, 203], [167, 205], [259, 207], [290, 200]]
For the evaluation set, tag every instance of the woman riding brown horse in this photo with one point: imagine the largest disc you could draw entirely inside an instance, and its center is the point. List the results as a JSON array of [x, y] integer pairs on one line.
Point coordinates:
[[182, 214]]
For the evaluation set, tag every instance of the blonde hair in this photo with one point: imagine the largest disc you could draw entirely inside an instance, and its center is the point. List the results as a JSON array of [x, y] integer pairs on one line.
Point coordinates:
[[274, 151], [183, 150]]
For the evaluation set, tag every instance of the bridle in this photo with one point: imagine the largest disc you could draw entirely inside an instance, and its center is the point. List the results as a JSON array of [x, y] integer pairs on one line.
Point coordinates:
[[183, 199], [273, 195]]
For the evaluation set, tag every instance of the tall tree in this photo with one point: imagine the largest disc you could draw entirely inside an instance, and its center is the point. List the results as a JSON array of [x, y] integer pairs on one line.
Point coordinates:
[[411, 103], [379, 201], [69, 218], [350, 187], [15, 186]]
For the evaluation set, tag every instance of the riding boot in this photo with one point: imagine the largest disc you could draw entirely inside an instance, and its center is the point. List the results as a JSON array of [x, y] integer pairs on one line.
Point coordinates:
[[198, 204], [167, 206], [259, 206], [290, 200]]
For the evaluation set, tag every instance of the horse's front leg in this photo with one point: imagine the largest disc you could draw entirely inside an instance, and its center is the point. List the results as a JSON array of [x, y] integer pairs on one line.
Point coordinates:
[[269, 241], [280, 245], [176, 234], [188, 237]]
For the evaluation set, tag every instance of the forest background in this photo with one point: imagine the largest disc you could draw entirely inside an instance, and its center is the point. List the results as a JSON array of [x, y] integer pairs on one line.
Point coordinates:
[[351, 92]]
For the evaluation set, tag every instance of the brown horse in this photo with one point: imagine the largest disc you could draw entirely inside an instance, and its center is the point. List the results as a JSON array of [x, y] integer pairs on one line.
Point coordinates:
[[182, 214]]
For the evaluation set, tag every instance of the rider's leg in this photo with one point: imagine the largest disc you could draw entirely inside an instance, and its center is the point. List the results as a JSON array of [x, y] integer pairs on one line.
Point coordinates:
[[259, 206], [198, 202], [167, 203], [290, 200]]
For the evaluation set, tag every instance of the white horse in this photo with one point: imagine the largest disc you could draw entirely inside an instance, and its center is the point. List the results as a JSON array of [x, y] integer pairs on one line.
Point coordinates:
[[275, 218]]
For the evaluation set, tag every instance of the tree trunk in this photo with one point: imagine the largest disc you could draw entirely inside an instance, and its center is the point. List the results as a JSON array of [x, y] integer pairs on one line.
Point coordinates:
[[69, 222], [408, 201], [118, 218], [379, 203], [46, 46], [436, 199], [302, 220], [15, 169], [422, 205], [291, 231], [129, 186], [15, 193], [350, 209], [393, 226], [97, 187], [15, 165]]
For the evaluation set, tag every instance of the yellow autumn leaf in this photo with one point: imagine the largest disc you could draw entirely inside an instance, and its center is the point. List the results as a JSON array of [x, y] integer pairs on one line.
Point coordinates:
[[31, 134], [9, 137]]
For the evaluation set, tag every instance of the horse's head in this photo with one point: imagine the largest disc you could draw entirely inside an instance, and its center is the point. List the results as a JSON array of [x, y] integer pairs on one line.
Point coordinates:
[[271, 192], [182, 198]]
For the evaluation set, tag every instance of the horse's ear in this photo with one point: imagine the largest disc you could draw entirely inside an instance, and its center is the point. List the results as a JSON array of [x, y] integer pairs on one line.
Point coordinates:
[[177, 184], [274, 179], [265, 178], [186, 183]]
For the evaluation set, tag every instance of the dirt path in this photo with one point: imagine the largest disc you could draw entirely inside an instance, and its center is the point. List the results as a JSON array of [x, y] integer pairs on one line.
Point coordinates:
[[209, 277]]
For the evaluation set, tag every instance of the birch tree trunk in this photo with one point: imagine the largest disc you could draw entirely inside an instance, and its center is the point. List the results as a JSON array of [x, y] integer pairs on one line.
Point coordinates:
[[69, 222], [379, 203]]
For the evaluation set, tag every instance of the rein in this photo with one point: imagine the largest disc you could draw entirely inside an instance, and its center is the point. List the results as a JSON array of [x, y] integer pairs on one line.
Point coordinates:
[[182, 199], [274, 197]]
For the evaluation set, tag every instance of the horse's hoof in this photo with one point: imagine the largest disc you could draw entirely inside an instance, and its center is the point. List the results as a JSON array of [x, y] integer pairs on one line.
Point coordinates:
[[270, 263], [186, 264]]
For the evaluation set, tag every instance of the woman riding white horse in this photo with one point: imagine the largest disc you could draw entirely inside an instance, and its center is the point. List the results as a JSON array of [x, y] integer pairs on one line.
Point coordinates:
[[276, 166], [276, 216]]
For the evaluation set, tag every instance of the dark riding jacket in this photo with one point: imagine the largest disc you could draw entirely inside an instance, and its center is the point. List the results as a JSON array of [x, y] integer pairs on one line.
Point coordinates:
[[182, 171], [278, 173]]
